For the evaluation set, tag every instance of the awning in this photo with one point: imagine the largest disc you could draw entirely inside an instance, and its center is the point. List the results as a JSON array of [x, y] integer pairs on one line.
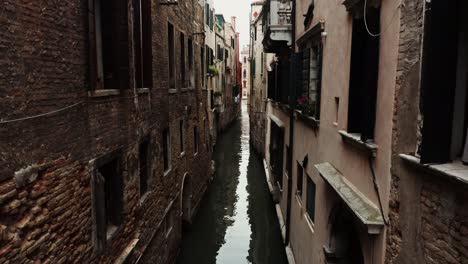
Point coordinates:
[[367, 213]]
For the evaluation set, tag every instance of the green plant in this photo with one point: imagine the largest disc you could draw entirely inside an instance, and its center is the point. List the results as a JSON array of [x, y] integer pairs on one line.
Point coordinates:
[[213, 71]]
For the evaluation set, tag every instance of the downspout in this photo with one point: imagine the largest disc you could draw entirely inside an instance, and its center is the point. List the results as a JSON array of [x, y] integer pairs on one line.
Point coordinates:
[[292, 105]]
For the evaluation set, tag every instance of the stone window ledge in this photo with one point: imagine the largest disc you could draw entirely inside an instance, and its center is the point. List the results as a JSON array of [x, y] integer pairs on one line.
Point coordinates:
[[185, 89], [103, 93], [307, 120], [355, 140], [172, 91], [456, 170], [143, 90]]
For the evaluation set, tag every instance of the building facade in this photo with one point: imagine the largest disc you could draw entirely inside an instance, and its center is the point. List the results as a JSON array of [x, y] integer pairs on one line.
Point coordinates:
[[360, 167], [245, 58], [104, 134], [257, 102]]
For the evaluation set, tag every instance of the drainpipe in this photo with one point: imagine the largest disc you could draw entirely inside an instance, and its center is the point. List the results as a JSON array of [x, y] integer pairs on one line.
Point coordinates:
[[292, 105]]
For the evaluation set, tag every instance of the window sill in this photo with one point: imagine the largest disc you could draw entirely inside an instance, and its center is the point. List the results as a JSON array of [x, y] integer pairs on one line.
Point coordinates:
[[195, 154], [299, 199], [172, 91], [167, 172], [307, 120], [181, 155], [103, 93], [455, 171], [143, 90], [310, 223], [143, 198], [355, 140], [112, 232], [184, 89], [168, 233]]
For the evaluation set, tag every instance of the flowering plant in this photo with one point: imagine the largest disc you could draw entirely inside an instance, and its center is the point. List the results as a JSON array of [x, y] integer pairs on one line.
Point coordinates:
[[306, 106]]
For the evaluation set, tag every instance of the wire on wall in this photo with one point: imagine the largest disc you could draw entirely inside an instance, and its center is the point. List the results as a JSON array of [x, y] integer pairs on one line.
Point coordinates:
[[389, 25]]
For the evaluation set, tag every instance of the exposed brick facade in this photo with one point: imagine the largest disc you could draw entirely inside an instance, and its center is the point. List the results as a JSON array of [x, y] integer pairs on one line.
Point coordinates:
[[428, 219], [47, 162]]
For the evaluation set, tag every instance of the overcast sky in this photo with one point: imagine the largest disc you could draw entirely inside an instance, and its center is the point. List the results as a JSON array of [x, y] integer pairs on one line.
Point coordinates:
[[239, 9]]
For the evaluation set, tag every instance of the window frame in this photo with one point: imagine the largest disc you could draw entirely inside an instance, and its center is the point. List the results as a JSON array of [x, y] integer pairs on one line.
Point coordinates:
[[167, 153], [172, 73]]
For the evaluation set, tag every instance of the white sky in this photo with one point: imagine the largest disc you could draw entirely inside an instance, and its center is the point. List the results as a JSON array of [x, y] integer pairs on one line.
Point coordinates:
[[239, 9]]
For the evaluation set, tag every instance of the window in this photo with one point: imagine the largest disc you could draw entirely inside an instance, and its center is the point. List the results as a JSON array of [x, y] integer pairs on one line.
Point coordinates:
[[107, 187], [245, 60], [207, 14], [444, 83], [170, 37], [245, 74], [190, 62], [109, 44], [300, 179], [202, 68], [143, 43], [145, 169], [261, 64], [181, 136], [276, 152], [310, 199], [182, 61], [195, 139], [167, 149], [312, 74], [220, 52], [364, 76]]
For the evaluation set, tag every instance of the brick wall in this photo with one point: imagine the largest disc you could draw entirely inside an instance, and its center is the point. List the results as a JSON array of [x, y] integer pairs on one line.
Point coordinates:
[[47, 163], [427, 212]]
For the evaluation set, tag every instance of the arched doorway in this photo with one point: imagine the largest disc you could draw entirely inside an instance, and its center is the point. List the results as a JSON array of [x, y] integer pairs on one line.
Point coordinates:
[[344, 246], [186, 199]]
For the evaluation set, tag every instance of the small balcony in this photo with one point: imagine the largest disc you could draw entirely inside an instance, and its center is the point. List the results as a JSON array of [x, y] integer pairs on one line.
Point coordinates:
[[279, 25]]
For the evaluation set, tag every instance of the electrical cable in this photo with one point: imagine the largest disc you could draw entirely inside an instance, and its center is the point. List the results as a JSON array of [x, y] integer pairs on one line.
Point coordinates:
[[377, 190], [41, 115], [386, 29], [62, 109]]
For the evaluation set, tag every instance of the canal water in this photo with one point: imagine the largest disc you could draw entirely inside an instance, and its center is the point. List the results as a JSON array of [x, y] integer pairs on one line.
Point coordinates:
[[236, 222]]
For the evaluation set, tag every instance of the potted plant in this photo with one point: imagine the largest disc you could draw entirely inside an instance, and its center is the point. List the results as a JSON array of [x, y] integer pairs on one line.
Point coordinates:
[[212, 71], [306, 106]]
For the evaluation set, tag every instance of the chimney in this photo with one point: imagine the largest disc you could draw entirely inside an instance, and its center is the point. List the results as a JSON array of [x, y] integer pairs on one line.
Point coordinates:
[[233, 22]]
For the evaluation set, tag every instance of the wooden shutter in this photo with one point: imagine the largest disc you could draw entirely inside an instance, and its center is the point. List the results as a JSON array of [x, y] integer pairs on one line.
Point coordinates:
[[92, 46], [319, 79], [438, 80], [120, 49], [99, 209], [311, 198], [305, 72], [147, 43]]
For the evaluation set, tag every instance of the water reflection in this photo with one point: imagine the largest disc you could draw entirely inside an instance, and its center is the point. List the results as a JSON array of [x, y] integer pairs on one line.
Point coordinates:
[[236, 222]]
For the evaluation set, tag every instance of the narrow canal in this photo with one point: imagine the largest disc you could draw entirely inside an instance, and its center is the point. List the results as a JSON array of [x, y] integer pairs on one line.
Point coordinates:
[[236, 222]]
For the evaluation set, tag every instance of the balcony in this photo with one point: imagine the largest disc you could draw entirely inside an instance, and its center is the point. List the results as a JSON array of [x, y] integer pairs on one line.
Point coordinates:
[[279, 25]]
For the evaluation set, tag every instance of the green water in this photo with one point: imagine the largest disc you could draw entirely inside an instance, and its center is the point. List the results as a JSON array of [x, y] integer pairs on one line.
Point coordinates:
[[236, 222]]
